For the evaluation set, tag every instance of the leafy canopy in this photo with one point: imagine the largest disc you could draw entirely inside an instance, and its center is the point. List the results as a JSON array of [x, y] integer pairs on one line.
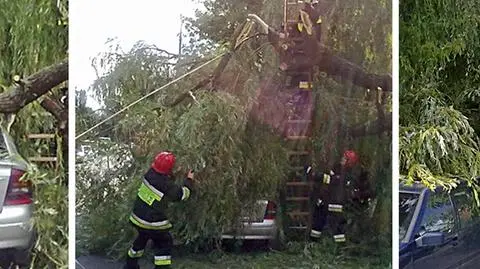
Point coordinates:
[[439, 114]]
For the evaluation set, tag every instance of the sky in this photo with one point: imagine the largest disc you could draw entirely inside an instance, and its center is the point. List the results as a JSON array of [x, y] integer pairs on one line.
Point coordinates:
[[92, 23]]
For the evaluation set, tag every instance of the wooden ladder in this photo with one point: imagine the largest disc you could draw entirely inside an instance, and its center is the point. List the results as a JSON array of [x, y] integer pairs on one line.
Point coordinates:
[[49, 160], [298, 131], [291, 11]]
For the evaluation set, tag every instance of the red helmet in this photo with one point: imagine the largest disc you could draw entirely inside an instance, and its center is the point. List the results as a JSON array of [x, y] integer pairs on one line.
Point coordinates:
[[164, 162], [351, 158]]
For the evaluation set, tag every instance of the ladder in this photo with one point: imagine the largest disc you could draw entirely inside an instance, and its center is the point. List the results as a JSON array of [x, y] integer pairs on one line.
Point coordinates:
[[291, 11], [298, 130], [51, 159]]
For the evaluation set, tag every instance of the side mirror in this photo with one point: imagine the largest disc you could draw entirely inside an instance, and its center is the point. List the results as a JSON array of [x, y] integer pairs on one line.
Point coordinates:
[[430, 239]]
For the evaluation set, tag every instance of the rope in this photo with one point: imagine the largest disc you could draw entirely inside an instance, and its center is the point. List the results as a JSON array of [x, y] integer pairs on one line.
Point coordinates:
[[151, 93]]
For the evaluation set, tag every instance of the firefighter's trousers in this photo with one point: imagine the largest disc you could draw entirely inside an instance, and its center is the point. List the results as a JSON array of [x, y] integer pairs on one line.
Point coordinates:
[[319, 220], [162, 243], [330, 215]]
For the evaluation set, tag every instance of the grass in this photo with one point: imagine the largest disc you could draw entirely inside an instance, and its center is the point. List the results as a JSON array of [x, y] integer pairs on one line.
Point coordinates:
[[296, 255], [273, 260]]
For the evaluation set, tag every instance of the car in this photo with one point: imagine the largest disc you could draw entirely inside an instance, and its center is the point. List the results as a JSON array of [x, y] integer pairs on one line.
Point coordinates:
[[16, 206], [260, 226], [438, 229]]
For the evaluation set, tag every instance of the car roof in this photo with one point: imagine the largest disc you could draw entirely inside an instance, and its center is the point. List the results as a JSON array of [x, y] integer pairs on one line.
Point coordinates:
[[416, 187]]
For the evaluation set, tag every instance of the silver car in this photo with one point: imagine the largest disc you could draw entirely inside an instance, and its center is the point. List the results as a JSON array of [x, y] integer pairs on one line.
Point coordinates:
[[16, 206], [261, 226]]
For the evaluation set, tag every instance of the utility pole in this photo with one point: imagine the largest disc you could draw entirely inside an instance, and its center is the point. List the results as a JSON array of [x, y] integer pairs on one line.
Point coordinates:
[[180, 37]]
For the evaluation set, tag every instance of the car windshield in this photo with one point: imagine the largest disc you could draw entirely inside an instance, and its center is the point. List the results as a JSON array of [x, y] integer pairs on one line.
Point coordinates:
[[407, 204]]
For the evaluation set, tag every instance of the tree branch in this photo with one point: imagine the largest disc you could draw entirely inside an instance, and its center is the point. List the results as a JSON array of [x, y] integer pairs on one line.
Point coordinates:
[[57, 110], [372, 128], [218, 70], [32, 87], [318, 55], [342, 69]]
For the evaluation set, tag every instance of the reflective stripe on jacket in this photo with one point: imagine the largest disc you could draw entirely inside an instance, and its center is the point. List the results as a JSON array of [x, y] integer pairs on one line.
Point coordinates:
[[153, 196]]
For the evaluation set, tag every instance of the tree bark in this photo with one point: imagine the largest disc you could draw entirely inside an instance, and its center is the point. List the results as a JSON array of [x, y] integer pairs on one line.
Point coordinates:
[[57, 110], [316, 54], [32, 87], [341, 69]]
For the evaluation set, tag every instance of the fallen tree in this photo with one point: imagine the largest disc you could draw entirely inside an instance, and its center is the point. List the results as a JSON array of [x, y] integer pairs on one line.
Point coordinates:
[[31, 88], [36, 87], [321, 57]]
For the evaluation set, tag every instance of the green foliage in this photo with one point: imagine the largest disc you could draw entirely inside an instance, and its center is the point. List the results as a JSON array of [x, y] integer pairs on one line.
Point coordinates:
[[438, 78], [324, 254], [50, 218], [237, 164], [360, 32], [34, 35], [238, 160]]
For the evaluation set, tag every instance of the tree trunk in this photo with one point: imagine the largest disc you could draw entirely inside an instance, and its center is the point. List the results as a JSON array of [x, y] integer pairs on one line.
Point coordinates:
[[32, 87], [372, 128]]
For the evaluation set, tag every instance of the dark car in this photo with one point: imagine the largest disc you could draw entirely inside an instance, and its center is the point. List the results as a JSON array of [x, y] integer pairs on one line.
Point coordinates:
[[438, 229]]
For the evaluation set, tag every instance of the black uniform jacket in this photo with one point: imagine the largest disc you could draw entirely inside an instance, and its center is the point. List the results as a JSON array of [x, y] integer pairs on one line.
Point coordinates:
[[153, 197], [330, 189]]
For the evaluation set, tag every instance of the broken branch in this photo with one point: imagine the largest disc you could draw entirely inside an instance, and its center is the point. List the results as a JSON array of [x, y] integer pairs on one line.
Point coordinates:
[[32, 87], [57, 110]]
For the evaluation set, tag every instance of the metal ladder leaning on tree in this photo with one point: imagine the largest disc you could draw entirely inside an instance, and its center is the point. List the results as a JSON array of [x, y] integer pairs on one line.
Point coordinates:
[[299, 126]]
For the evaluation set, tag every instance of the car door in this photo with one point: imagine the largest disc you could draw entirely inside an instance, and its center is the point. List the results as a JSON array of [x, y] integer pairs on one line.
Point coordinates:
[[438, 216], [468, 247]]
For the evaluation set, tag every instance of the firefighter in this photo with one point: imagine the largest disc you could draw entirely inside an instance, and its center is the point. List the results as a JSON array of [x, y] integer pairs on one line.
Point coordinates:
[[329, 197], [318, 199], [361, 193], [148, 215], [361, 204], [310, 20]]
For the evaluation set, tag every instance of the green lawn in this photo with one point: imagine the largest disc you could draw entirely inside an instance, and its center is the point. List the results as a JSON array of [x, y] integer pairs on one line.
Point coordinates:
[[296, 255], [275, 260]]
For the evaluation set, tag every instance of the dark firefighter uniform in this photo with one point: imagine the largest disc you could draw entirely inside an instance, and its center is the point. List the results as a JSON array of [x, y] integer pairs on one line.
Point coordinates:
[[361, 192], [329, 197], [148, 215], [310, 20]]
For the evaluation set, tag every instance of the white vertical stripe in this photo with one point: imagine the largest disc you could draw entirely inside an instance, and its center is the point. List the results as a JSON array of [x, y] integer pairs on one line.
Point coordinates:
[[395, 132]]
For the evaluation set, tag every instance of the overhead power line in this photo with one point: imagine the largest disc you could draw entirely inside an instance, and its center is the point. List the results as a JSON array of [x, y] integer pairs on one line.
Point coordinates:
[[146, 96]]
